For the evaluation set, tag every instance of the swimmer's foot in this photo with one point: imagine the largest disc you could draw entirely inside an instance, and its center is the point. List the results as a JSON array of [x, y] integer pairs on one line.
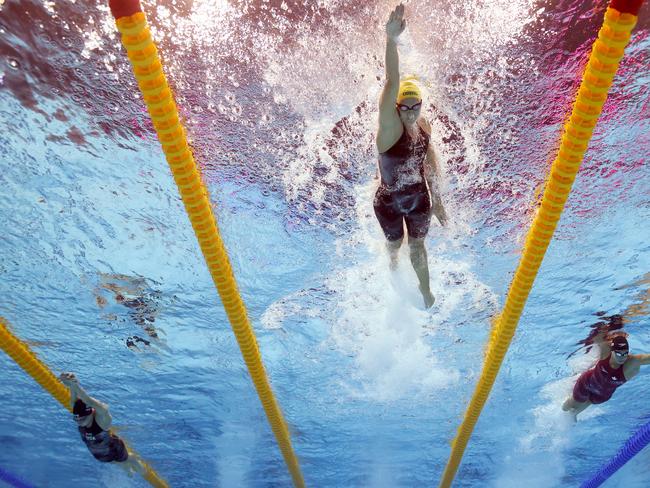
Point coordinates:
[[570, 411], [428, 297], [573, 415], [393, 263]]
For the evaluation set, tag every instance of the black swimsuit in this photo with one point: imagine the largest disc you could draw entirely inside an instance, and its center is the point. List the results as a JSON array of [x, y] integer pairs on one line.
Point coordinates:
[[403, 194], [104, 445]]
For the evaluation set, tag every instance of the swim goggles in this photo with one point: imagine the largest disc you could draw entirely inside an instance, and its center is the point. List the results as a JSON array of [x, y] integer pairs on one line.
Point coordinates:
[[90, 411], [405, 108]]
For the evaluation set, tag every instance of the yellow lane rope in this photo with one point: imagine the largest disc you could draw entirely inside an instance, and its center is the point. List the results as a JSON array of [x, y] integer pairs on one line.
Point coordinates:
[[147, 68], [607, 51], [34, 367]]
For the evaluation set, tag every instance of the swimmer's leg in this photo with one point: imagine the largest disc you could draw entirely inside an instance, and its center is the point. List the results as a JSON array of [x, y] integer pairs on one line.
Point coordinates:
[[420, 263], [573, 406], [393, 249], [134, 464]]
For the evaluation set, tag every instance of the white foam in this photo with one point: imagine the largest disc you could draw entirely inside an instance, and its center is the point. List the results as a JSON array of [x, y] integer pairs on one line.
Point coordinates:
[[544, 444], [380, 319]]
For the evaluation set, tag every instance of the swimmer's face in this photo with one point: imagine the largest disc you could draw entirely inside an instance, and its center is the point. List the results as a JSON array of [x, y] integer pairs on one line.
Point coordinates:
[[620, 356], [409, 110], [84, 421]]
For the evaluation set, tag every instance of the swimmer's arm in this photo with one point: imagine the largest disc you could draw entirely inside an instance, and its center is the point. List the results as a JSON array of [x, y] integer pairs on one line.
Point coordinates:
[[634, 363], [432, 175], [643, 359], [602, 340], [388, 116], [102, 415], [605, 350], [433, 169]]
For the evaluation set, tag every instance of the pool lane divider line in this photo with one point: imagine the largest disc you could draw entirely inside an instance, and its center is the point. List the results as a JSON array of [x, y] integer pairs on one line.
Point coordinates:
[[147, 68], [628, 450], [13, 480], [34, 367], [607, 51]]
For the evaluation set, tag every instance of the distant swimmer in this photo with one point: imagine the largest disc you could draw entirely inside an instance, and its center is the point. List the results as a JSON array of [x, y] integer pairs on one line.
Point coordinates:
[[135, 294], [93, 421], [615, 367], [408, 192]]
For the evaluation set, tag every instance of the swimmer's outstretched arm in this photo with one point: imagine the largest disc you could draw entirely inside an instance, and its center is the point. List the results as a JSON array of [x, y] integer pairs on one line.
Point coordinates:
[[639, 359], [102, 415], [642, 358], [388, 117]]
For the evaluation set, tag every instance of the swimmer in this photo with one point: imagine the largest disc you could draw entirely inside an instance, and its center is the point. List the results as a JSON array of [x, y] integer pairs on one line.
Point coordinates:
[[408, 192], [134, 294], [132, 342], [93, 421], [615, 367]]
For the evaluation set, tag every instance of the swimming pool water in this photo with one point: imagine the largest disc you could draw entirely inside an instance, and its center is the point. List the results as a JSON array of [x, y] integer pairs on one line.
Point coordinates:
[[279, 99]]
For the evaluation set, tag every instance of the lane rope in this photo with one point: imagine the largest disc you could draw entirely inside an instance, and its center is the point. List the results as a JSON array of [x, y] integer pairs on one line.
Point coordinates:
[[13, 480], [143, 54], [607, 51], [630, 448]]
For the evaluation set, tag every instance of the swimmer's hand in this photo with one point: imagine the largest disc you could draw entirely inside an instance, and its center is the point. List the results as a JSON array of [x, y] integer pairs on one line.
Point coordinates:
[[396, 23], [69, 380], [438, 209]]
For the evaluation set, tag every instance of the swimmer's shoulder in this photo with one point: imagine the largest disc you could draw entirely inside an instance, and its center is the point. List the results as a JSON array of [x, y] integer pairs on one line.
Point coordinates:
[[424, 125]]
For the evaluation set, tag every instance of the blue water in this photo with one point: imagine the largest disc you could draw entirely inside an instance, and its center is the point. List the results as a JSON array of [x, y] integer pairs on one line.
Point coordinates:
[[101, 274]]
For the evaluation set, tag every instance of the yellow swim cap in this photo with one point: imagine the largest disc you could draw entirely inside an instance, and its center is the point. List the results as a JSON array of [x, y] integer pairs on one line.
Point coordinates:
[[408, 89]]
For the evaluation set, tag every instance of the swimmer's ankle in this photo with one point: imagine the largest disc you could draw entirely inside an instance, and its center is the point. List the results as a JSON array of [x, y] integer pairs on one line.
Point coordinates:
[[427, 296]]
